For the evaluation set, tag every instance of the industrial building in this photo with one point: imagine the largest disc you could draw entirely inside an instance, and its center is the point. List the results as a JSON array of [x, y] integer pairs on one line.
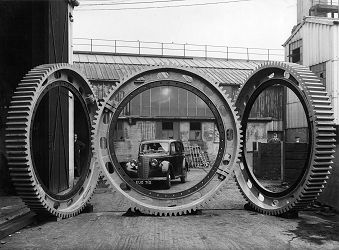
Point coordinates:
[[176, 113], [314, 42]]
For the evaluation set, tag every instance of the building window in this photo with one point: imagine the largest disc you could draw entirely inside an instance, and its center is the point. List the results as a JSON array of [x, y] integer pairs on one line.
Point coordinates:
[[119, 131], [167, 130], [195, 131], [296, 55], [167, 126], [295, 51]]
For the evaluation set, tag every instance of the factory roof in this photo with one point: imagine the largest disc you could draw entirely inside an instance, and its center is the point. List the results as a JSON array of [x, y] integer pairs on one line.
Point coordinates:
[[101, 66]]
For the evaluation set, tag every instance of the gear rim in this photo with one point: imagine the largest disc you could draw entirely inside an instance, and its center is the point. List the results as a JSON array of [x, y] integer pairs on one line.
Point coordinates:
[[321, 130], [171, 204], [147, 192], [24, 104]]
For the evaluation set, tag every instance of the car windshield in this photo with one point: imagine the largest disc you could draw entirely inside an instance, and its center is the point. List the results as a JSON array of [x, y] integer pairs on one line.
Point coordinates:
[[153, 147]]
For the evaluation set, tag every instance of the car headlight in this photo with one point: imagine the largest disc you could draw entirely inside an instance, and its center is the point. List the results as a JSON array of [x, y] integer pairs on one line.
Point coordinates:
[[154, 162], [134, 164]]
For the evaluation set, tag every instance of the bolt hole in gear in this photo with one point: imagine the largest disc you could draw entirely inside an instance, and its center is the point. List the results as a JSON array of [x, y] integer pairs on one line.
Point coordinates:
[[288, 146], [150, 160], [48, 103]]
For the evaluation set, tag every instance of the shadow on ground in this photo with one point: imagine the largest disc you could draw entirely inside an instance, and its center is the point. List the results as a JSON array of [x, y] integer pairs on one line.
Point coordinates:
[[317, 231]]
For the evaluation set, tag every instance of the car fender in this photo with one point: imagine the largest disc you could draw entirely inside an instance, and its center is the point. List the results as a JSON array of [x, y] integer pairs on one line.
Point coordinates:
[[129, 167], [165, 166]]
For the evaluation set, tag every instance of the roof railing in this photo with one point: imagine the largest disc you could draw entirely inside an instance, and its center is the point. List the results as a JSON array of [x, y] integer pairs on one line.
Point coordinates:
[[176, 49], [325, 2]]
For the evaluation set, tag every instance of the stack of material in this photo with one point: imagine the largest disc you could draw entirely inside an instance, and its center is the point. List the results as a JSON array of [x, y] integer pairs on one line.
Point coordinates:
[[196, 158]]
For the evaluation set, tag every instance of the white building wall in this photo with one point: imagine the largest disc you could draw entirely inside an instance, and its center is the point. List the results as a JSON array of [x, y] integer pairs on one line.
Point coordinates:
[[317, 43], [320, 44], [295, 113], [303, 7], [332, 85]]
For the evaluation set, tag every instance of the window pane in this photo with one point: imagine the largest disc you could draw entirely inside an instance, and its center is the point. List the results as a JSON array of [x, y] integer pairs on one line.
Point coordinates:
[[164, 100], [155, 101], [146, 103], [183, 103], [174, 100], [192, 104], [167, 125], [135, 105], [195, 126], [201, 105]]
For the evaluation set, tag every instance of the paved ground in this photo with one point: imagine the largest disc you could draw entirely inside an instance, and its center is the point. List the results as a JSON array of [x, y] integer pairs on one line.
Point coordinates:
[[11, 206], [194, 176], [222, 225]]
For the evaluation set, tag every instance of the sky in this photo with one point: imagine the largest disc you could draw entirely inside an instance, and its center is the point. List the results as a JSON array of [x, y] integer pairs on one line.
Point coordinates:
[[252, 23]]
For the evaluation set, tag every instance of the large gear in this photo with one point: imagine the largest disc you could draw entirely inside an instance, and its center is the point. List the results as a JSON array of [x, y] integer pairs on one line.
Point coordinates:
[[317, 106], [195, 197], [20, 149]]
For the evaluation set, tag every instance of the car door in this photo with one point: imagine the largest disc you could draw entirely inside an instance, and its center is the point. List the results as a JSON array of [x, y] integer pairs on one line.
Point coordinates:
[[173, 158], [176, 158], [179, 157]]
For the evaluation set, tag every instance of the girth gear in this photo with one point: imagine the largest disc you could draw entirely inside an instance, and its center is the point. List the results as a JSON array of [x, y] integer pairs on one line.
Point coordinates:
[[19, 126]]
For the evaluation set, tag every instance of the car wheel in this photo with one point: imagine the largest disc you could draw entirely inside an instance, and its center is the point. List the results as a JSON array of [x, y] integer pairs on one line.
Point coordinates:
[[183, 178], [168, 180]]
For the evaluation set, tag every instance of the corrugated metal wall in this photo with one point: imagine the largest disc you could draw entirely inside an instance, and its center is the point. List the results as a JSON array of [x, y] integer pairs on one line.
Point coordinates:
[[303, 7], [316, 36], [320, 41], [268, 104], [332, 85], [295, 113], [320, 44]]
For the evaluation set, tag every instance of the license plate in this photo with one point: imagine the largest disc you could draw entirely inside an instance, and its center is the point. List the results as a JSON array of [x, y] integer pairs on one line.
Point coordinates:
[[143, 182]]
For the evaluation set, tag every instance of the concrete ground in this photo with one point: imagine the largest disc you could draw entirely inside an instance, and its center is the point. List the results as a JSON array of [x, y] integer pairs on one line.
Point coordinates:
[[224, 224], [194, 176]]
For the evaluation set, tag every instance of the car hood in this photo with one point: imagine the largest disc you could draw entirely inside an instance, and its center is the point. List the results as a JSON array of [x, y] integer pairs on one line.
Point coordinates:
[[154, 155]]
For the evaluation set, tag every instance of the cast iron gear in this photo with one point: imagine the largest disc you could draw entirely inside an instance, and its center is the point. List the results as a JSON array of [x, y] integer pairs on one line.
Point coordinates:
[[319, 113], [19, 147], [148, 201]]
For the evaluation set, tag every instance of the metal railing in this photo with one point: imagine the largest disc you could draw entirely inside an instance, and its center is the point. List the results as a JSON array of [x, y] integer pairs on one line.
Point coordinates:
[[176, 49], [325, 2]]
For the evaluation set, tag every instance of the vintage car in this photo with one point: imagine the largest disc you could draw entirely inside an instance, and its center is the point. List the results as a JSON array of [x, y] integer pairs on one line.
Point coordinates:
[[158, 160]]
